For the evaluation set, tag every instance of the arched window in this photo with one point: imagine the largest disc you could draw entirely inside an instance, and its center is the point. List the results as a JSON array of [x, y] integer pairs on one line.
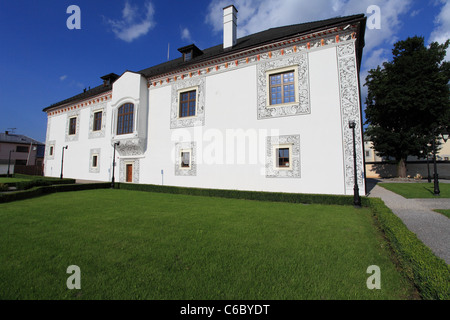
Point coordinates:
[[125, 118]]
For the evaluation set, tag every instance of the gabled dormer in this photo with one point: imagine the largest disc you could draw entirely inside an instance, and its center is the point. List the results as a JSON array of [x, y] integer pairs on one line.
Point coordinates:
[[190, 52]]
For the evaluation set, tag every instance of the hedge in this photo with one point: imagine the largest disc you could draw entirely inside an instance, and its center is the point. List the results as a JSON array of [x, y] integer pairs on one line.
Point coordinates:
[[247, 195], [35, 181], [430, 274], [42, 190]]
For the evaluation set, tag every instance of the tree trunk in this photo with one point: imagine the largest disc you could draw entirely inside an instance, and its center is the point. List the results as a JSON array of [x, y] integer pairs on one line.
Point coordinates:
[[401, 168]]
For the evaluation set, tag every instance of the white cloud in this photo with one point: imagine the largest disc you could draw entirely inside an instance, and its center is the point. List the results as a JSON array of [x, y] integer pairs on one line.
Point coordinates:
[[133, 24], [259, 15], [186, 35], [63, 77], [441, 33]]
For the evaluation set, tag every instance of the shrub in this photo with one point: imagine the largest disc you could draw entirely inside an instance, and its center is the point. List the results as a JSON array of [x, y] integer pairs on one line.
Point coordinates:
[[248, 195], [4, 187], [41, 181], [41, 190], [430, 274]]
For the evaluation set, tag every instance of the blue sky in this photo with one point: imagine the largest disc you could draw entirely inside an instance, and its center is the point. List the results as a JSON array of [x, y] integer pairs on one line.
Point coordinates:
[[43, 62]]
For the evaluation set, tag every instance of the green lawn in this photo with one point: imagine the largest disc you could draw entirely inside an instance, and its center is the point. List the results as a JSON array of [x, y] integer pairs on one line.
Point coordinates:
[[141, 245], [417, 190], [445, 212]]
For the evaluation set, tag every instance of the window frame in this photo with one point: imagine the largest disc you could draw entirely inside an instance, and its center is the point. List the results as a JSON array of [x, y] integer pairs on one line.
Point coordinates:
[[97, 123], [72, 126], [188, 91], [188, 55], [284, 70], [275, 153], [94, 156], [51, 150], [189, 166], [121, 118], [22, 149]]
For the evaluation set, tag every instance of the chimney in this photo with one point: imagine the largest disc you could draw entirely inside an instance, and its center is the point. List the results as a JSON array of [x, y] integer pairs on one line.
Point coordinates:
[[6, 132], [229, 26]]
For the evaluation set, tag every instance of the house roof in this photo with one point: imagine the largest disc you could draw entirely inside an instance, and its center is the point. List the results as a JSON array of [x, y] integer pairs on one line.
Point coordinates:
[[17, 138], [244, 43]]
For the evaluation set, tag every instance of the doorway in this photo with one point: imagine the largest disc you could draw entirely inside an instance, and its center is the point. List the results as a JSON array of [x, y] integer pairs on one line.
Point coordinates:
[[129, 172]]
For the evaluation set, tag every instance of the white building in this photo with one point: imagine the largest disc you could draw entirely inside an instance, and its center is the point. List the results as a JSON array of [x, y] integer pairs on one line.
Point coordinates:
[[266, 112]]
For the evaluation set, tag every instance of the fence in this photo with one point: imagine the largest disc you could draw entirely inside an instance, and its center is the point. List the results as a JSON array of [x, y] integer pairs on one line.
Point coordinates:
[[389, 170]]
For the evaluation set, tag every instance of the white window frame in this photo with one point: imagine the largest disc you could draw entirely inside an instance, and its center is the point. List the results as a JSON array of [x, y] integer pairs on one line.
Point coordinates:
[[275, 155], [96, 162], [181, 159]]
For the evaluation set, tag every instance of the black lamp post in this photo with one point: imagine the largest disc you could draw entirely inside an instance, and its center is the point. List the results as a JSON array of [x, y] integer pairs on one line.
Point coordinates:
[[437, 192], [9, 161], [62, 160], [114, 163], [356, 197]]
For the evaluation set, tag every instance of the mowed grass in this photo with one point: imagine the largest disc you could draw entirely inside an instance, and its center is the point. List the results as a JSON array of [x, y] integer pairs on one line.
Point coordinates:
[[417, 190], [141, 245], [445, 212]]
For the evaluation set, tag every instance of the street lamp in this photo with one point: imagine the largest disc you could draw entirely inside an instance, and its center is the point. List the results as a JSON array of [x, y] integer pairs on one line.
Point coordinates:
[[114, 163], [9, 161], [356, 198], [437, 192], [62, 161]]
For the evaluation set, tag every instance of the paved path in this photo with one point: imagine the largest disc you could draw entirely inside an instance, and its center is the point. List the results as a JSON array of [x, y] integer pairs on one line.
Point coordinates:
[[431, 227]]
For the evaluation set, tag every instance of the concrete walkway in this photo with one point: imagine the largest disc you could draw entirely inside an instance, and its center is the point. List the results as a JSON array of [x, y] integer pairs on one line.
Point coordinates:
[[417, 214]]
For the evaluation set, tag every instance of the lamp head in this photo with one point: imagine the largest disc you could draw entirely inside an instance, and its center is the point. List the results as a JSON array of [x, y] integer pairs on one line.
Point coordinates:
[[352, 124]]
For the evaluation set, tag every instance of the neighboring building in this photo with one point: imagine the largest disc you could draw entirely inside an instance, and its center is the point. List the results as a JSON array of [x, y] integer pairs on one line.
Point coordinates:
[[19, 150], [269, 112], [380, 167]]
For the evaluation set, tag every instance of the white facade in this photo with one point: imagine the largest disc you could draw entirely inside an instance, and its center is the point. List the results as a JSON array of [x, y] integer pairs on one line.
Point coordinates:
[[232, 140]]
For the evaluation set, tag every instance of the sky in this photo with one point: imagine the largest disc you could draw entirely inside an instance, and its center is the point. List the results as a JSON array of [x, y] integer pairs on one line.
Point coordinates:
[[47, 56]]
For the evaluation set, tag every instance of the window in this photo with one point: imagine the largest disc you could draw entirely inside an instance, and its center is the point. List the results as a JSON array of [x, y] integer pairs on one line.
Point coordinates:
[[21, 162], [185, 159], [187, 103], [94, 161], [72, 126], [188, 56], [21, 149], [97, 121], [283, 157], [282, 87], [125, 119], [51, 150]]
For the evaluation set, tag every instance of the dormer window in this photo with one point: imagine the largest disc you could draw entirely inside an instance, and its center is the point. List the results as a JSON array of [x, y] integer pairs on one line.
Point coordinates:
[[190, 52], [188, 56]]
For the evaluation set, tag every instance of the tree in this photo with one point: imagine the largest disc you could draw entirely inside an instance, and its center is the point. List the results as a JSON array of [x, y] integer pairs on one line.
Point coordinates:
[[407, 105]]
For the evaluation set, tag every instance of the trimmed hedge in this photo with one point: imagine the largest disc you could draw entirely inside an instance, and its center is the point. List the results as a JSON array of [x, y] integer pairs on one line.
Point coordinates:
[[36, 181], [42, 190], [430, 274], [247, 195]]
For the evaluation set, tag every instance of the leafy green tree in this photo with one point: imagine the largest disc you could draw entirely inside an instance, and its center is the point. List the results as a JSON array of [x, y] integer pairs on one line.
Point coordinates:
[[408, 100]]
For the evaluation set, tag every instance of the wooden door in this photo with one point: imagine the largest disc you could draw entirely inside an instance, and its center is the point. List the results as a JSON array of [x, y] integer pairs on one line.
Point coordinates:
[[129, 173]]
